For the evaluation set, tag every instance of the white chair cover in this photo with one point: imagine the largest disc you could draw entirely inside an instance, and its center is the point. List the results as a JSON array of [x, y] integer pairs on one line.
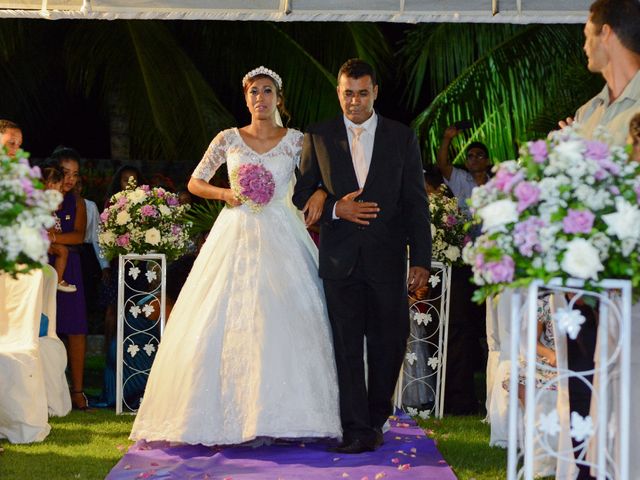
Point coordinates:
[[53, 352], [23, 403]]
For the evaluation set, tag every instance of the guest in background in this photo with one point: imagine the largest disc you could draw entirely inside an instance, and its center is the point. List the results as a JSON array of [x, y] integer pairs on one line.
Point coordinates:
[[634, 133], [71, 307], [10, 136], [52, 178], [466, 345]]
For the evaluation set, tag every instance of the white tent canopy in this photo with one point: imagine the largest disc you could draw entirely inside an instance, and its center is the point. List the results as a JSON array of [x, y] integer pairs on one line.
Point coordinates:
[[407, 11]]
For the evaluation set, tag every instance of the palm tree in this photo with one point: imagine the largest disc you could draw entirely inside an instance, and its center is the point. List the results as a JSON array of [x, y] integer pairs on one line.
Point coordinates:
[[513, 82]]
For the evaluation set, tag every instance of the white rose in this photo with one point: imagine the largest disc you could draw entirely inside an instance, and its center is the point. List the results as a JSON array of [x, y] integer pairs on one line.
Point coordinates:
[[581, 259], [625, 222], [452, 253], [33, 244], [123, 218], [107, 238], [570, 151], [137, 196], [497, 214], [164, 210], [152, 236]]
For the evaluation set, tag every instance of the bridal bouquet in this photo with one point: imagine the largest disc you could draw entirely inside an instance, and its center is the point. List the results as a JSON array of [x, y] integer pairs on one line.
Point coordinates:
[[447, 228], [141, 219], [26, 212], [253, 184], [567, 208]]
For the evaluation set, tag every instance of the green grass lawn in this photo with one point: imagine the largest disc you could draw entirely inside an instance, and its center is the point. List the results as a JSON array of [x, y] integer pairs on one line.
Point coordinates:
[[86, 445]]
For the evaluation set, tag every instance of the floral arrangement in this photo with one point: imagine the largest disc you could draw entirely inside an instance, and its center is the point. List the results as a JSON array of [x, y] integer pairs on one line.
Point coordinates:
[[447, 228], [567, 208], [141, 219], [253, 185], [26, 212]]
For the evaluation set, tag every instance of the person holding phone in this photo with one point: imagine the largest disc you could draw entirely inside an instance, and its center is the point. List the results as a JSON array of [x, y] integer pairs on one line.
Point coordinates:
[[465, 347], [477, 163]]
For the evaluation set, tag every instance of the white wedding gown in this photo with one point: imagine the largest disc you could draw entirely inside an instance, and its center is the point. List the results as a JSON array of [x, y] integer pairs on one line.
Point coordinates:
[[247, 351]]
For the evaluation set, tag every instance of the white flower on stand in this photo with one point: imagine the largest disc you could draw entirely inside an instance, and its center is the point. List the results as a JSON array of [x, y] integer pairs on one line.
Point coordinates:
[[123, 218], [148, 310], [135, 311], [452, 253], [433, 362], [434, 280], [152, 236], [32, 242], [581, 259], [422, 318], [549, 423], [411, 357], [581, 427], [134, 272], [149, 348], [497, 214], [569, 321], [133, 349], [151, 275]]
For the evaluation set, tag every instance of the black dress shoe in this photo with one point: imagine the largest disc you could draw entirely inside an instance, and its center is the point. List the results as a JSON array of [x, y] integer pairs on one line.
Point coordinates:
[[356, 446]]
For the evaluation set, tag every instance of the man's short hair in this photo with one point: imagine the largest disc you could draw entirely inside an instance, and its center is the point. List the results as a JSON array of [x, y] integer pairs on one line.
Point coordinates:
[[7, 125], [356, 68], [479, 145], [623, 16]]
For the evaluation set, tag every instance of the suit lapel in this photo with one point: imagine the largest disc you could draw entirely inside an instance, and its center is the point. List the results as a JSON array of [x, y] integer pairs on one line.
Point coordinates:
[[344, 162], [377, 156]]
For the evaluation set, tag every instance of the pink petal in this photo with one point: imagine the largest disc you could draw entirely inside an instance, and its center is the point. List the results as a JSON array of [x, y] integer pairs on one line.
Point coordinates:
[[395, 460], [404, 467]]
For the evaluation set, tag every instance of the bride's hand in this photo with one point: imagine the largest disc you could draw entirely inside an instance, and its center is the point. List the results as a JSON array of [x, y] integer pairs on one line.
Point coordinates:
[[313, 208], [231, 199]]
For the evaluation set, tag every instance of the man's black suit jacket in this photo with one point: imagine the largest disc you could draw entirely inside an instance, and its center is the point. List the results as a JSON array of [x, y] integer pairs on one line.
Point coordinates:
[[395, 182]]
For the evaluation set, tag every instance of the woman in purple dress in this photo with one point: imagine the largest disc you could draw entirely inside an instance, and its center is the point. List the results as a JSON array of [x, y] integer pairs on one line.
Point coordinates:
[[71, 307]]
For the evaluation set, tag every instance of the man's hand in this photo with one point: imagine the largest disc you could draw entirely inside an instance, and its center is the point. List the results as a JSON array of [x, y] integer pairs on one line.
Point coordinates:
[[450, 132], [564, 123], [418, 278], [347, 208]]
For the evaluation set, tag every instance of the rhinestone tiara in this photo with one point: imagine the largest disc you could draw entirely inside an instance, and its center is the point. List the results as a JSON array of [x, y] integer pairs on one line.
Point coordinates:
[[262, 71]]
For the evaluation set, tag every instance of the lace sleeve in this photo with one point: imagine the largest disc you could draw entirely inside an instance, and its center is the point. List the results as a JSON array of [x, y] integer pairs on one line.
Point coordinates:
[[298, 137], [213, 157]]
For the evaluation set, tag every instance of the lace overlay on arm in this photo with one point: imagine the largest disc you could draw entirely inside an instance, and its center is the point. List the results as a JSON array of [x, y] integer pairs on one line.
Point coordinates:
[[213, 157]]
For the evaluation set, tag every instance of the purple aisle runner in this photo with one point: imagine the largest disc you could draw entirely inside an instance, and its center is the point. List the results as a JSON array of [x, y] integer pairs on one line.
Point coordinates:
[[407, 454]]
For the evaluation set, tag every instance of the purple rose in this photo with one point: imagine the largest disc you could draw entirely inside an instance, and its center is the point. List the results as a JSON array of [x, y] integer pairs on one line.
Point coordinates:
[[505, 180], [27, 186], [596, 150], [176, 229], [501, 271], [36, 172], [122, 202], [123, 240], [525, 236], [527, 194], [104, 216], [538, 151], [145, 188], [578, 221], [148, 211], [160, 192]]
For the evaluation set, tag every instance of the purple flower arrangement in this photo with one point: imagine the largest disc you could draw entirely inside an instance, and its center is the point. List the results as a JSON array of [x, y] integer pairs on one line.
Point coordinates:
[[568, 207], [253, 184], [141, 219]]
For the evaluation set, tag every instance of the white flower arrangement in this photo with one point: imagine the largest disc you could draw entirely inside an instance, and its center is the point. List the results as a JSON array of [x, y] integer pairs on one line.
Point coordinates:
[[447, 229], [26, 212], [141, 219], [568, 208]]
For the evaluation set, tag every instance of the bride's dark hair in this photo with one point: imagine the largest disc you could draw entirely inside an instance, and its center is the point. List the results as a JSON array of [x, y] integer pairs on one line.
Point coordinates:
[[284, 113]]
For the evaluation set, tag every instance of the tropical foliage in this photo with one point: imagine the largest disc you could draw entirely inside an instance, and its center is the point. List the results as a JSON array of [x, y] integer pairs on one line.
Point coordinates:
[[513, 82]]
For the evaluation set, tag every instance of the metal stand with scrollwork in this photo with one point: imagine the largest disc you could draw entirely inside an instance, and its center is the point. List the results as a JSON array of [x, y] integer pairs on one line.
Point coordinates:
[[550, 433], [420, 387], [141, 319]]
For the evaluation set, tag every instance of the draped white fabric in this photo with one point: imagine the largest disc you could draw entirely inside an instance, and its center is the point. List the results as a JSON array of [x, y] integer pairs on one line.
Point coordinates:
[[404, 11]]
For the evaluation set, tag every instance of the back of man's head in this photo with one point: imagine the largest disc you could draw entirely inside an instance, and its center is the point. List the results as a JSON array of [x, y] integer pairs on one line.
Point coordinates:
[[356, 68], [623, 16]]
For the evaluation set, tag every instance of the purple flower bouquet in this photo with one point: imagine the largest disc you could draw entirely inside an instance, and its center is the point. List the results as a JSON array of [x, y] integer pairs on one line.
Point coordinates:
[[253, 184]]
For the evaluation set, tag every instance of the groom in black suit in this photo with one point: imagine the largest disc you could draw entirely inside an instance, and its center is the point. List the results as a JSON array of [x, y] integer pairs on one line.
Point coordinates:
[[376, 206]]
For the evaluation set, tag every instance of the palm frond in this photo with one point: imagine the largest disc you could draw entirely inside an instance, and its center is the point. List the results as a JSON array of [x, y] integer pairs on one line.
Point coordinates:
[[173, 112], [504, 89], [203, 215]]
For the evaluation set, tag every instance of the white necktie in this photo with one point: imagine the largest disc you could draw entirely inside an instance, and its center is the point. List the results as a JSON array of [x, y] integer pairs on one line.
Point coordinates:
[[358, 156]]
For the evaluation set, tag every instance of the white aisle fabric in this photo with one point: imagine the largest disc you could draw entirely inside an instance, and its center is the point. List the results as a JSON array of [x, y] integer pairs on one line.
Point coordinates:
[[23, 402], [247, 351], [52, 351], [493, 347], [634, 426]]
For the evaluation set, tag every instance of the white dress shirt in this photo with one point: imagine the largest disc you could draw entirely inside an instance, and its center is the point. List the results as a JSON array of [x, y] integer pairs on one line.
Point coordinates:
[[367, 138], [91, 232]]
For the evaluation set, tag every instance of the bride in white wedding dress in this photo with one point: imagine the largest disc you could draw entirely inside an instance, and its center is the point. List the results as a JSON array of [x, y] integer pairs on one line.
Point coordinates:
[[247, 352]]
